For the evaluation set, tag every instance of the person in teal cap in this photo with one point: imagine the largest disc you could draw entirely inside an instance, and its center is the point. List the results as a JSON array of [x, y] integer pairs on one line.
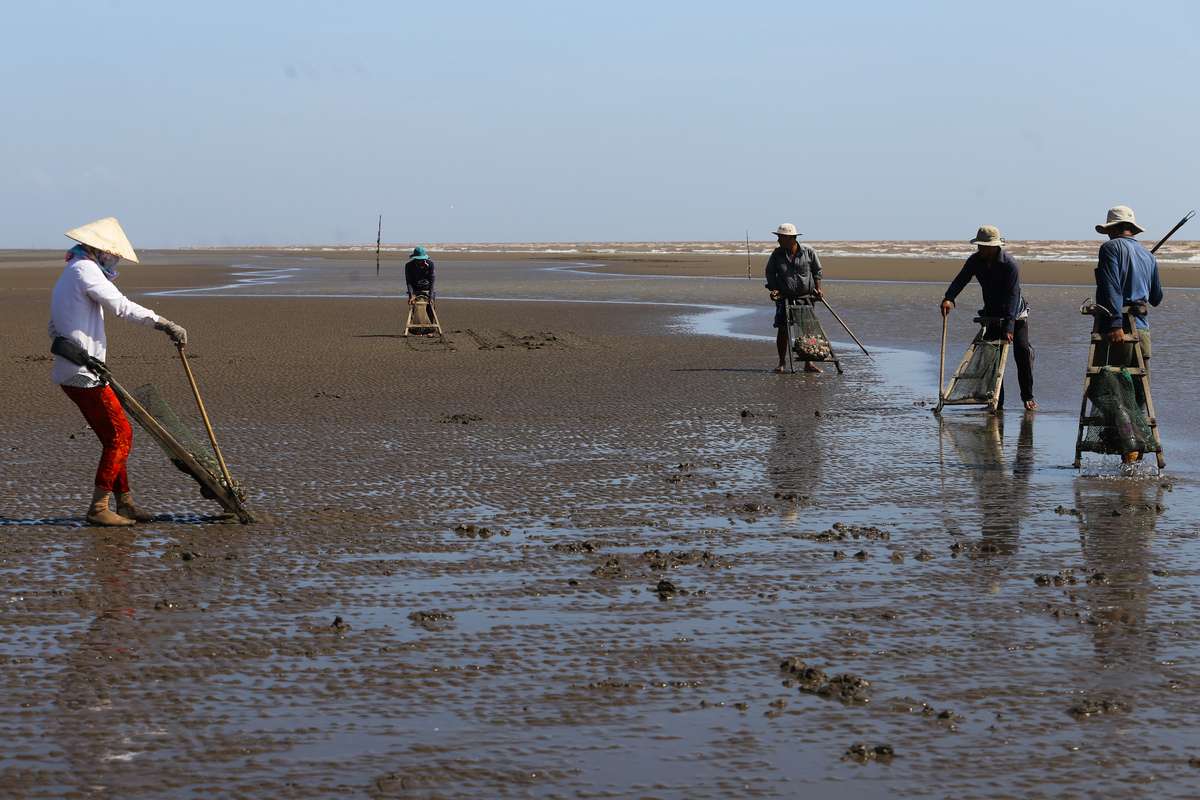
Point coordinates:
[[418, 275]]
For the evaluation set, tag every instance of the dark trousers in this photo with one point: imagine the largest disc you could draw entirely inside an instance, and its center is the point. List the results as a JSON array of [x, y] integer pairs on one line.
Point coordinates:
[[1022, 352]]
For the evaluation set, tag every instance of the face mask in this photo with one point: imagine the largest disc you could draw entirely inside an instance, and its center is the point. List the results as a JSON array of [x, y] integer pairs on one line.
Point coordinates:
[[108, 265]]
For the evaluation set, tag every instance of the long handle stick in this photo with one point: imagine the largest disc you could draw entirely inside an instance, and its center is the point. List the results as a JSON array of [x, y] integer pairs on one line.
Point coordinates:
[[378, 239], [212, 437], [942, 363], [847, 327], [1171, 232]]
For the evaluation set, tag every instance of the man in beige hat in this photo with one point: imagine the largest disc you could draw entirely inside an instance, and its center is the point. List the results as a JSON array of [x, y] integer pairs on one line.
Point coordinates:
[[793, 273], [77, 305], [999, 277], [1126, 275]]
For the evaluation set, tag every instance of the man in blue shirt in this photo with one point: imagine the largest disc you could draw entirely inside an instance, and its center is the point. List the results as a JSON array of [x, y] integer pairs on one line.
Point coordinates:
[[999, 278], [1126, 275]]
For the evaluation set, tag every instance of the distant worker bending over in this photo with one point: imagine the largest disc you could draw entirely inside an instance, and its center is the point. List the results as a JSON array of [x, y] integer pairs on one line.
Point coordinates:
[[793, 273], [999, 276], [418, 275], [77, 305]]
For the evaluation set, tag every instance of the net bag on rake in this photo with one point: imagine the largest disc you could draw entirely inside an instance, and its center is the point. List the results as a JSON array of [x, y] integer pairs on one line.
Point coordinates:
[[810, 344], [1123, 427]]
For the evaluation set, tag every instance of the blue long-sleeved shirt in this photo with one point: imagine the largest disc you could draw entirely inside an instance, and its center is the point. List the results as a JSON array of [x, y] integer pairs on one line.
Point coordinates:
[[1126, 273], [1001, 285]]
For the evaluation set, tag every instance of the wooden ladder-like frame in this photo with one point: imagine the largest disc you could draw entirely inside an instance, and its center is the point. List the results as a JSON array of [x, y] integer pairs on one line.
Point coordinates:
[[1129, 330], [993, 401], [434, 320]]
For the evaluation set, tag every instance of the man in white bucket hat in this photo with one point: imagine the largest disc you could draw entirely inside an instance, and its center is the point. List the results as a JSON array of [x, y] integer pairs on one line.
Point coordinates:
[[999, 277], [77, 305], [1126, 275], [793, 272]]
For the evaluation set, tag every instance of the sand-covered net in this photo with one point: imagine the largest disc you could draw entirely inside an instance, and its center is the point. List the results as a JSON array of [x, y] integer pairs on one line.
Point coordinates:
[[154, 403], [977, 380], [420, 313]]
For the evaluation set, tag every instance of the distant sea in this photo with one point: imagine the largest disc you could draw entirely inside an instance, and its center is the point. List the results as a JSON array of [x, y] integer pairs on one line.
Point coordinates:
[[1175, 252]]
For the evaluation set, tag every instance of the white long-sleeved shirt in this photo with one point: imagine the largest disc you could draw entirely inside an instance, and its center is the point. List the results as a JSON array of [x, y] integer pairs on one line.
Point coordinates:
[[77, 312]]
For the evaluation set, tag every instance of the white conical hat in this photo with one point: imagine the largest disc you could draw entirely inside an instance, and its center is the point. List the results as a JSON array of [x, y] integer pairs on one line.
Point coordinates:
[[105, 235]]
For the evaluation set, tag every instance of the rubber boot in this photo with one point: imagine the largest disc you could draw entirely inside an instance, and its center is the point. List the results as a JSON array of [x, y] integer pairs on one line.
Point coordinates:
[[128, 509], [99, 513]]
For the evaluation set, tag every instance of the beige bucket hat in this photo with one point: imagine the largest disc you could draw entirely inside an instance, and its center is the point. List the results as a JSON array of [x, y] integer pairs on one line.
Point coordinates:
[[988, 236], [105, 235], [1117, 215], [786, 229]]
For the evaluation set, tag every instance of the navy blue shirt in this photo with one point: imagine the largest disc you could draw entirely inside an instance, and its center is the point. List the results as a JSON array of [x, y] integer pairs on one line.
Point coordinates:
[[1001, 286], [418, 276]]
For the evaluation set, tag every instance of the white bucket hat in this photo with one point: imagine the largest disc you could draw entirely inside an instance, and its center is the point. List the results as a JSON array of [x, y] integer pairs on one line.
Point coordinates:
[[1119, 214], [105, 235], [787, 229], [988, 236]]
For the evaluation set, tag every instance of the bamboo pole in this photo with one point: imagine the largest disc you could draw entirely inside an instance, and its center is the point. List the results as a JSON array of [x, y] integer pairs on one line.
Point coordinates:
[[748, 254], [847, 327], [1171, 232], [378, 240], [942, 366], [212, 437]]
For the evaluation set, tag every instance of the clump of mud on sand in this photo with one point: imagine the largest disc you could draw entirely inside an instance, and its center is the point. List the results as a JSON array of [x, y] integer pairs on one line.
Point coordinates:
[[845, 687], [432, 620], [1096, 706], [861, 753]]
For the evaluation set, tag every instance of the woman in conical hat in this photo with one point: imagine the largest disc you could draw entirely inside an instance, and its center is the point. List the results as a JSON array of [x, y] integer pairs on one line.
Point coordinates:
[[82, 295]]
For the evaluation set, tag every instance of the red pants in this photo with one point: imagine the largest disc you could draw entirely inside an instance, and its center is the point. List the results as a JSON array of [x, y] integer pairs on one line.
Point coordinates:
[[104, 414]]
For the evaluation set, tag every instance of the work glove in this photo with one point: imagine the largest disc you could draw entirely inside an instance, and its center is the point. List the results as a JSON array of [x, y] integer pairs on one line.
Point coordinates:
[[176, 332]]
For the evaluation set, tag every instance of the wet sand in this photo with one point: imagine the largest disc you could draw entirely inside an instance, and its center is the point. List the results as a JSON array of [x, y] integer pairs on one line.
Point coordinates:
[[588, 546]]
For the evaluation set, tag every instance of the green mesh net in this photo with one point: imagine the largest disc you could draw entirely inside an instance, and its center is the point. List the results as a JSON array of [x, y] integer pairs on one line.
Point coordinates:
[[977, 380], [154, 403], [811, 343], [1121, 425]]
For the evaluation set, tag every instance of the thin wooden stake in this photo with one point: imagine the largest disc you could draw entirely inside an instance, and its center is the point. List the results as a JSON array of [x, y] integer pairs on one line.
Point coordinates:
[[378, 239], [748, 254]]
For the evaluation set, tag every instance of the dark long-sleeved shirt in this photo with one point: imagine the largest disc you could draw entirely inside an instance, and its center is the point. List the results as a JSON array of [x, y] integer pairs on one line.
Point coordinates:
[[793, 275], [1126, 273], [418, 277], [1001, 284]]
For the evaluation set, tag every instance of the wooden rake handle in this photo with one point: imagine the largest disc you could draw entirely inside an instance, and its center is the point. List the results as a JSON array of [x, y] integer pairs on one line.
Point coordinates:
[[212, 437], [942, 363]]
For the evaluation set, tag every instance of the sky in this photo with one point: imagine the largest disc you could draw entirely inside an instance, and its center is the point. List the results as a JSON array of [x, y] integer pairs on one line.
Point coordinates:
[[254, 122]]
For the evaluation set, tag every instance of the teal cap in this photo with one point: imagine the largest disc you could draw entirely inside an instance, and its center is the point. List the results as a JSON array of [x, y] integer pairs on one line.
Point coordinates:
[[419, 252]]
